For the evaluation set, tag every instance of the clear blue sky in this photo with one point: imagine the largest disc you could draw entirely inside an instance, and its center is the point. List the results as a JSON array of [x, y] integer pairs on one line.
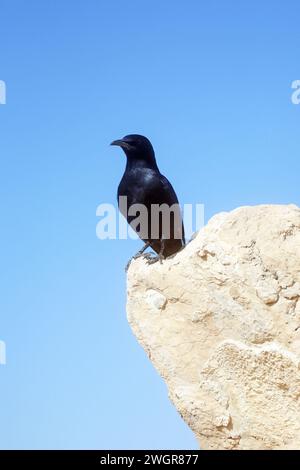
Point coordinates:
[[210, 84]]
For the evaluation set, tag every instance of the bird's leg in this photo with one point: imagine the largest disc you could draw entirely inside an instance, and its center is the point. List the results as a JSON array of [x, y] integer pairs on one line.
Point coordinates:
[[160, 256], [138, 254], [162, 248], [141, 251]]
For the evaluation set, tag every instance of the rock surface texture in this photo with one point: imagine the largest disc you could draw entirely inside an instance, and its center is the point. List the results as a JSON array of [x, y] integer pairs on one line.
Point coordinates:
[[220, 321]]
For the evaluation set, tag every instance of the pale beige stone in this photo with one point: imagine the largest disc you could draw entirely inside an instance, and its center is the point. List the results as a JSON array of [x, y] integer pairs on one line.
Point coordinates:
[[221, 323]]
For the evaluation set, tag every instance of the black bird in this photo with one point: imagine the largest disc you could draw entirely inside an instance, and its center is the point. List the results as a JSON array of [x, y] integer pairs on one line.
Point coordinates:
[[143, 183]]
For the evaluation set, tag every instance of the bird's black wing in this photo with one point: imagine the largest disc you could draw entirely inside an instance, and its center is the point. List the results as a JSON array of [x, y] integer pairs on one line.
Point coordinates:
[[149, 187], [164, 193]]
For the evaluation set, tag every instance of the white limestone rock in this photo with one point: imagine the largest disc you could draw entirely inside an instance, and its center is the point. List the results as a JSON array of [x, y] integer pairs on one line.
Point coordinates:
[[221, 323]]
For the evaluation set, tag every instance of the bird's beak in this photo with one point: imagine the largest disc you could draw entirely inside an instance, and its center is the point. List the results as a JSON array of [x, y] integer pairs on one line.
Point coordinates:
[[117, 142], [120, 143]]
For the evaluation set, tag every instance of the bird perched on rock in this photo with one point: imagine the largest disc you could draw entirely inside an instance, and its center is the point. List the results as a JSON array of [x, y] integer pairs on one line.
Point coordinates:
[[152, 196]]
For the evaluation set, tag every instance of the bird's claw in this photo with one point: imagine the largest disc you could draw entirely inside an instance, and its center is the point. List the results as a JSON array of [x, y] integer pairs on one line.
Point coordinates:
[[127, 265], [154, 259], [146, 256]]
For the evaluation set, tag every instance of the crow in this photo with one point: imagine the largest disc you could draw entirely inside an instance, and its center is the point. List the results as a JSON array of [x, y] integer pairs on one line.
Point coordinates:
[[143, 184]]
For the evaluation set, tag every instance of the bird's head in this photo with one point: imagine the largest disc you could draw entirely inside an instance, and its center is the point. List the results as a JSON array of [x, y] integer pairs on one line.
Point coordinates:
[[136, 147]]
